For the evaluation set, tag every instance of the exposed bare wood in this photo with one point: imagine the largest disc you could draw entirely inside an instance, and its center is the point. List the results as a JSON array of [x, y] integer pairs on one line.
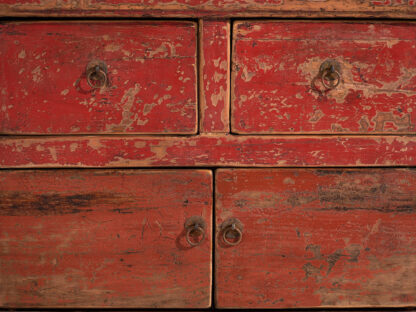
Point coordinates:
[[208, 150], [104, 238], [214, 77], [317, 238], [209, 8], [150, 85], [323, 77]]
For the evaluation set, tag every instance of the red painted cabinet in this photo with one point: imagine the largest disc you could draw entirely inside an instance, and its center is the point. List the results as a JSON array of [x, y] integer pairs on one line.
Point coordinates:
[[105, 238], [98, 77], [300, 238], [323, 77], [271, 160]]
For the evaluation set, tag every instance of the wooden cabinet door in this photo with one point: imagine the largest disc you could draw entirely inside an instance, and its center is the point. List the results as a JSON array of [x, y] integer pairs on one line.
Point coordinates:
[[142, 76], [315, 238], [105, 238], [323, 77]]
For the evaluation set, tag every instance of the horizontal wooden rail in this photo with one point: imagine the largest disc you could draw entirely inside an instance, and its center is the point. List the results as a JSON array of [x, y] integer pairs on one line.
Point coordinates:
[[207, 151], [209, 8]]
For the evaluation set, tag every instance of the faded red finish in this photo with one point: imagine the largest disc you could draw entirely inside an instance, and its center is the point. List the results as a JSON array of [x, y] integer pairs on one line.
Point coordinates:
[[104, 238], [317, 238], [210, 8], [151, 72], [277, 86], [115, 238], [214, 80], [208, 150]]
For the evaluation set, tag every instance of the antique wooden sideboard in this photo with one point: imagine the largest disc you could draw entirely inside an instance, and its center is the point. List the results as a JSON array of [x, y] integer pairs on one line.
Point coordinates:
[[207, 154]]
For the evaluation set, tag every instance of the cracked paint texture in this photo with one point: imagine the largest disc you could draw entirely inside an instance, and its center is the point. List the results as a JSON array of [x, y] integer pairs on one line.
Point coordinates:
[[277, 88], [317, 238], [208, 150], [151, 78], [214, 76], [104, 238], [211, 8]]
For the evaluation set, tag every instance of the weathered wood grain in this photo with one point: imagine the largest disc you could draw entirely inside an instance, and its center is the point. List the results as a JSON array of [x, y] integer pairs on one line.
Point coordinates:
[[214, 38], [277, 87], [104, 238], [208, 150], [209, 8], [151, 71], [317, 238]]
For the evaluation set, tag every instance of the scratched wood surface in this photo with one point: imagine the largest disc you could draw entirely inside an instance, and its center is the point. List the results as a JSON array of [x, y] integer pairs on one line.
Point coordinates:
[[151, 72], [209, 8], [208, 150], [277, 87], [317, 238], [214, 76], [104, 238]]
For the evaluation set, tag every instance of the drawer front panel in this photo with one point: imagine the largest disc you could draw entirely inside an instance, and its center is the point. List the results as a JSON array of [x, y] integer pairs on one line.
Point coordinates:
[[147, 71], [316, 238], [104, 238], [318, 77]]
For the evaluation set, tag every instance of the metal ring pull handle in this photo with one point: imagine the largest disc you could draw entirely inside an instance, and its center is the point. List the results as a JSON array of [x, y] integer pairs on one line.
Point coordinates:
[[96, 73], [331, 76], [234, 228], [330, 73], [195, 226]]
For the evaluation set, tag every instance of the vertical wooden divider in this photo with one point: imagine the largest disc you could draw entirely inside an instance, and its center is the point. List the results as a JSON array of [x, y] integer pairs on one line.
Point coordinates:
[[214, 76]]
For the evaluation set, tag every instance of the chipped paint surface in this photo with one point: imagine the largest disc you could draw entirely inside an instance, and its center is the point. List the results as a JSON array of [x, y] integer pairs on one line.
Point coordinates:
[[104, 238], [208, 150], [318, 238], [215, 76], [332, 238], [279, 92], [211, 8], [152, 78]]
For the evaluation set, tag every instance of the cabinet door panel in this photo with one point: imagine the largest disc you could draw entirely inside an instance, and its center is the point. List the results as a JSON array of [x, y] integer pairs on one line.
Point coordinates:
[[316, 238], [104, 238]]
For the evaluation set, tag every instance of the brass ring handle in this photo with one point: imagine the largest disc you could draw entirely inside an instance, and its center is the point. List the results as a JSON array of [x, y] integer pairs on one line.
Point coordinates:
[[96, 73], [192, 230], [195, 226], [328, 75], [230, 229]]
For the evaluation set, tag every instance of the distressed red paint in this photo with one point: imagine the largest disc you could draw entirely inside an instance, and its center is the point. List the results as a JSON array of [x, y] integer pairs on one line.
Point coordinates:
[[393, 2], [209, 8], [115, 238], [275, 91], [152, 78], [214, 76], [104, 238], [317, 238], [208, 150]]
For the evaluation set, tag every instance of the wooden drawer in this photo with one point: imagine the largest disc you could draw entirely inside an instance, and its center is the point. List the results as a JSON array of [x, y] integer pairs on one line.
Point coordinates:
[[285, 75], [316, 238], [105, 238], [150, 85]]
